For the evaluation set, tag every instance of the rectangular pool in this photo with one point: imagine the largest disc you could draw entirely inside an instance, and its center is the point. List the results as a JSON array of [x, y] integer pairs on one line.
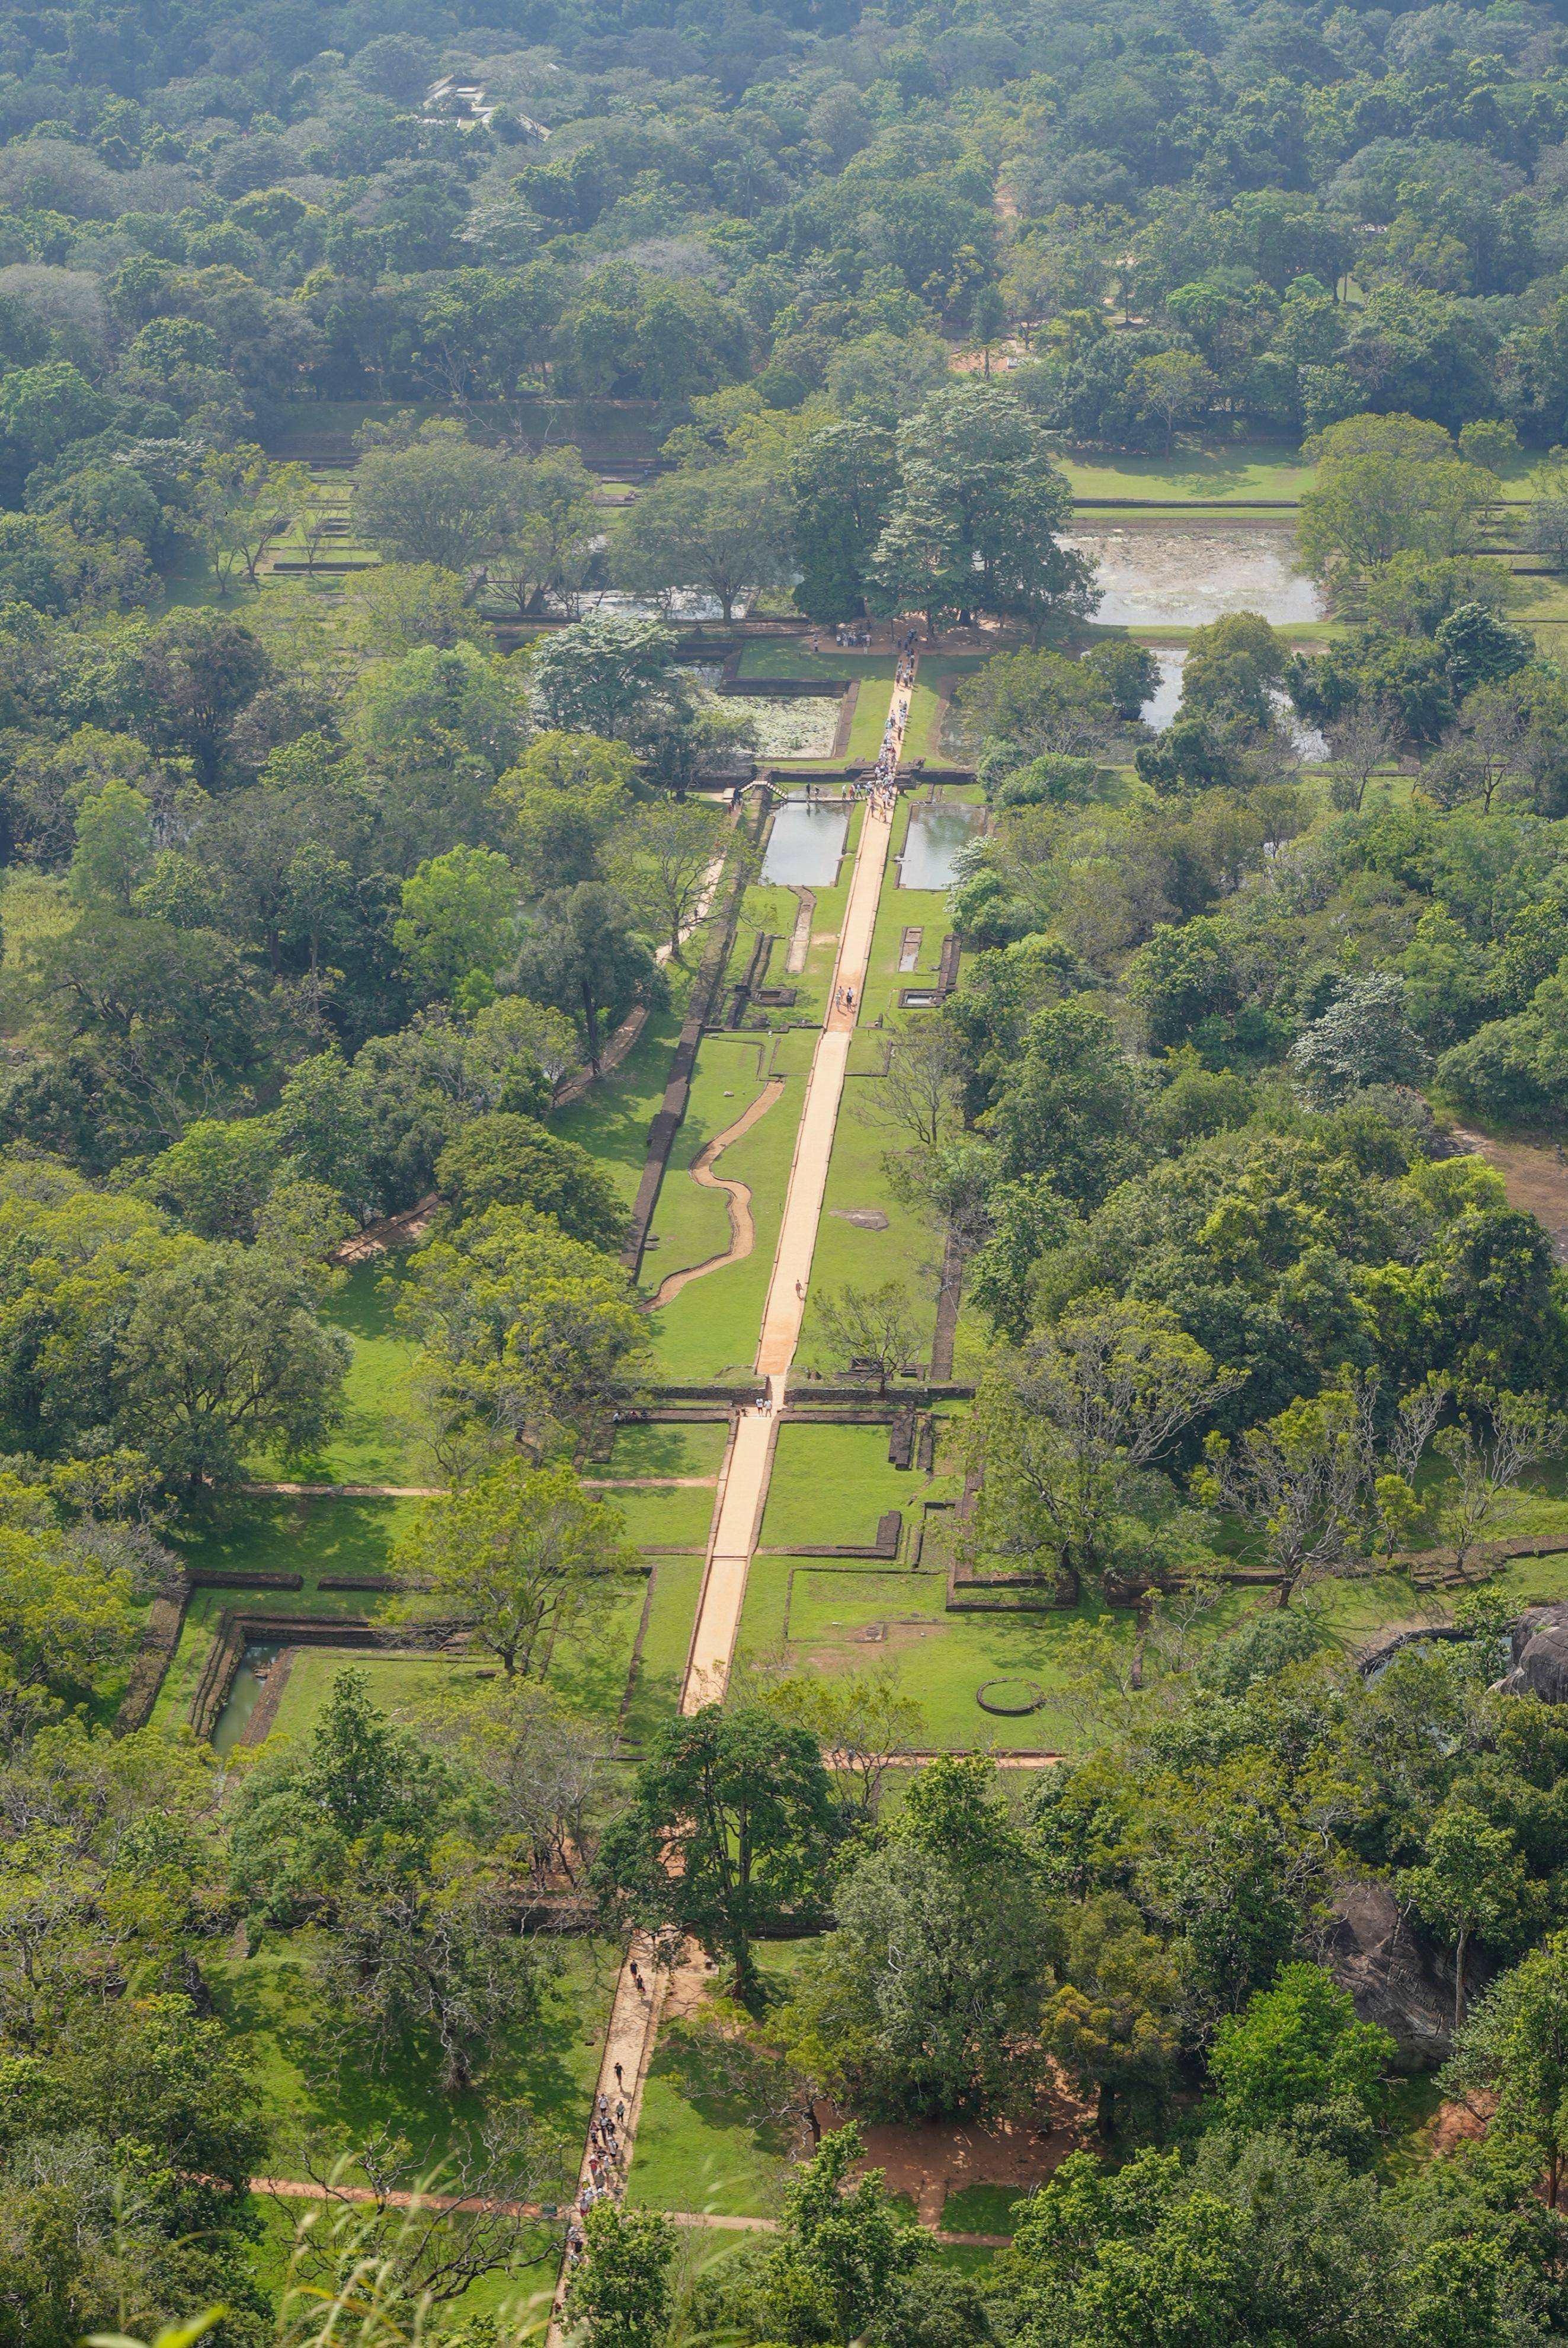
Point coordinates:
[[806, 844], [936, 835]]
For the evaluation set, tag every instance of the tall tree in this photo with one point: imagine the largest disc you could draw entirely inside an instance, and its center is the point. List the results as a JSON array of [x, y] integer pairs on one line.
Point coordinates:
[[730, 1828], [974, 522], [513, 1559]]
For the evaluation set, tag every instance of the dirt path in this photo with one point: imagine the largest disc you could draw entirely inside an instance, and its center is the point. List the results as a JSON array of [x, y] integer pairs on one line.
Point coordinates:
[[1536, 1180], [743, 1230]]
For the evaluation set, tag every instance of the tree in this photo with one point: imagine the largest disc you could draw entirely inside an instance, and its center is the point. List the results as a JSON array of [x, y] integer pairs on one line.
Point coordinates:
[[841, 481], [1130, 670], [502, 1159], [721, 530], [440, 500], [458, 918], [1363, 1038], [1070, 1111], [511, 1560], [568, 796], [1362, 739], [1498, 1436], [113, 846], [842, 2248], [973, 524], [580, 953], [201, 670], [1471, 1880], [551, 525], [1296, 2047], [1301, 1482], [68, 1611], [1064, 1423], [527, 1337], [398, 606], [244, 503], [729, 1829], [1111, 2021], [925, 1999], [668, 860], [878, 1327], [598, 675], [1363, 509], [1037, 702], [860, 1720], [222, 1356], [917, 1094], [219, 1174], [1515, 2050], [1172, 386], [621, 2293]]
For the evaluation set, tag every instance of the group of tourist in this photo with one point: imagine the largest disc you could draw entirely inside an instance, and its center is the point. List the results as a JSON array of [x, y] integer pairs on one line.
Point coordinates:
[[606, 2165]]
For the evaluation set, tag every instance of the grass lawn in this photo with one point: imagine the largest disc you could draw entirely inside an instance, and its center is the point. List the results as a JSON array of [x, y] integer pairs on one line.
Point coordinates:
[[664, 1519], [549, 2063], [830, 1484], [376, 1443], [925, 701], [613, 1118], [656, 1696], [981, 2210], [307, 1536], [1196, 475], [709, 1329], [665, 1451], [942, 1658], [700, 2144]]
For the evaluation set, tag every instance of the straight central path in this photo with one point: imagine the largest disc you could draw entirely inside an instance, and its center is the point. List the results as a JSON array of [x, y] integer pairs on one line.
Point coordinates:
[[748, 1466]]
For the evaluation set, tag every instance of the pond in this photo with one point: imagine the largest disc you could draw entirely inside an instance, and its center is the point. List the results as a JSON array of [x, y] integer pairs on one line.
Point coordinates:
[[245, 1694], [937, 833], [1162, 704], [1187, 578], [806, 844]]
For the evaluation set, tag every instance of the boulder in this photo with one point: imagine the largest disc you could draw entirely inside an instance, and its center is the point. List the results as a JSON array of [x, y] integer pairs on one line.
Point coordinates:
[[1540, 1656], [1396, 1979]]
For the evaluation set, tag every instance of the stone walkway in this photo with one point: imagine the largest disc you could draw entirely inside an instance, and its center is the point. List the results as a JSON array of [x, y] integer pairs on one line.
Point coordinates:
[[748, 1464]]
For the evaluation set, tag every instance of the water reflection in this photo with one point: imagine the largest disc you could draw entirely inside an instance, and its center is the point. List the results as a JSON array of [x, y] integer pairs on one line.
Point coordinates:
[[937, 833], [805, 843], [249, 1685]]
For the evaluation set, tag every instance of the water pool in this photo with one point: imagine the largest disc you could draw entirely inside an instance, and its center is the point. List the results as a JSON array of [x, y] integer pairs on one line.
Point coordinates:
[[245, 1694], [806, 844], [936, 835]]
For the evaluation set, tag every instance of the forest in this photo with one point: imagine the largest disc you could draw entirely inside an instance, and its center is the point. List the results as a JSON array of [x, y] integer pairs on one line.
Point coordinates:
[[783, 1174]]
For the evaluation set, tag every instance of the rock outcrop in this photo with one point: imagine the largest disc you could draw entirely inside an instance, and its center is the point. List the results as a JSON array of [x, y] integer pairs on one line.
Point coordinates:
[[1539, 1659], [1395, 1978]]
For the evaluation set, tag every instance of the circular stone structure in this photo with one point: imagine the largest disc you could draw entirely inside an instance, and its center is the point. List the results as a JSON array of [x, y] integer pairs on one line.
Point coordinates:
[[1011, 1699]]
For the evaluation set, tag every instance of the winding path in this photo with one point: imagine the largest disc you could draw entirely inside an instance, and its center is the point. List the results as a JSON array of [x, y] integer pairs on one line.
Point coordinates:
[[743, 1230]]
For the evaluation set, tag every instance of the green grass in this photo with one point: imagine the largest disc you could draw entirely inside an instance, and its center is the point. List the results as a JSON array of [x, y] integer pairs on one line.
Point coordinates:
[[700, 2145], [664, 1519], [376, 1443], [709, 1329], [982, 2209], [613, 1118], [677, 1581], [830, 1484], [1194, 475], [306, 1537], [925, 703], [551, 2064], [941, 1658], [665, 1451]]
